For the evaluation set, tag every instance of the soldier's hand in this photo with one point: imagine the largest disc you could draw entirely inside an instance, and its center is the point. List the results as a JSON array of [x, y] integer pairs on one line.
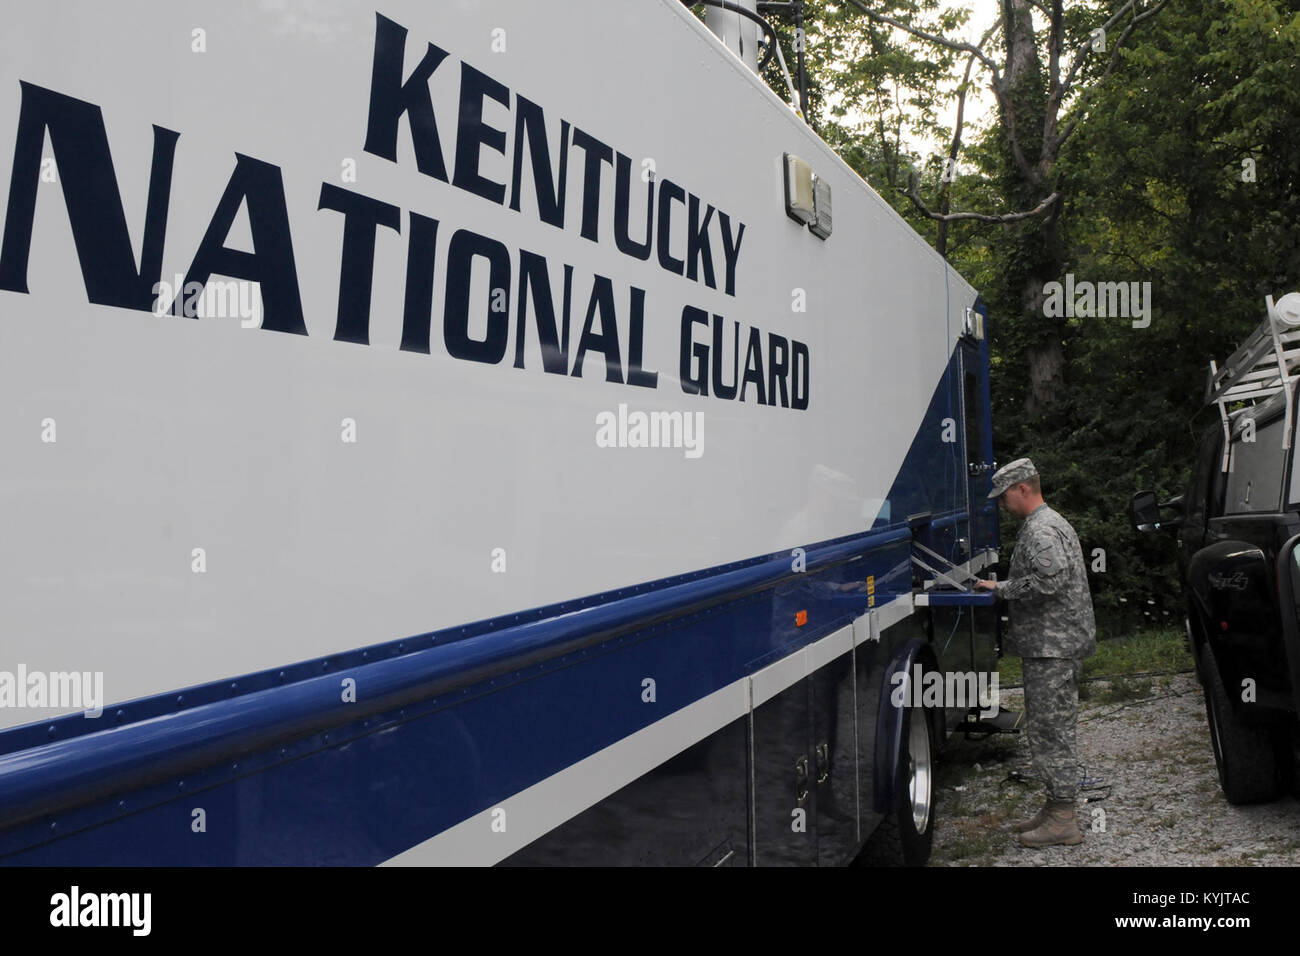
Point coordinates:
[[986, 585]]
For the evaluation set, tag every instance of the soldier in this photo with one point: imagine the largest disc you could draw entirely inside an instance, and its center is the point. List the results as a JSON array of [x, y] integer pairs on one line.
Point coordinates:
[[1053, 631]]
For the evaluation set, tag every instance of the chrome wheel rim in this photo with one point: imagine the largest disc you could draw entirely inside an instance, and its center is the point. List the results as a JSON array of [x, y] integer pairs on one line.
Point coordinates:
[[920, 771]]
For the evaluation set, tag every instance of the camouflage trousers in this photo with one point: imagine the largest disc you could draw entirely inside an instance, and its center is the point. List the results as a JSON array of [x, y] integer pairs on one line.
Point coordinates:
[[1051, 713]]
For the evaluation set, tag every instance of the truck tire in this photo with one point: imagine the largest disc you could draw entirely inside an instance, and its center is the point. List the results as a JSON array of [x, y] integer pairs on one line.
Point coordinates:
[[1245, 754], [906, 833]]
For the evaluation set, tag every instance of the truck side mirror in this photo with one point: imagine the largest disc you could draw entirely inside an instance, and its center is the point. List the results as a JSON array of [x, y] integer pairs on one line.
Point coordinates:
[[1144, 511]]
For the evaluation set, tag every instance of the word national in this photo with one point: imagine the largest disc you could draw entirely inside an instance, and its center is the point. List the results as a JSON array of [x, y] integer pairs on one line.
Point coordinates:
[[542, 310]]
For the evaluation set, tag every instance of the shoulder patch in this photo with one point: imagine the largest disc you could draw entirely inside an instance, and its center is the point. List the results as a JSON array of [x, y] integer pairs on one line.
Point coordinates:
[[1050, 558]]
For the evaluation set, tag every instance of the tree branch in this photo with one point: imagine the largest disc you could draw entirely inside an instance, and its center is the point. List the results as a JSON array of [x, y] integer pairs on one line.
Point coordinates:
[[1008, 111], [954, 148], [1080, 106], [1081, 53], [958, 45], [1055, 30], [977, 216]]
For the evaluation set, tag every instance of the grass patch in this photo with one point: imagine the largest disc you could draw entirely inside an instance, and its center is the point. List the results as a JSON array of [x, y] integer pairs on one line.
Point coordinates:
[[1116, 690], [971, 823], [1164, 650], [971, 840], [1157, 650]]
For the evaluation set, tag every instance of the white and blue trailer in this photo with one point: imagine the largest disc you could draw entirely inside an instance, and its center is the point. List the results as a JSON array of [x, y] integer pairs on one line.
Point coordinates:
[[429, 438]]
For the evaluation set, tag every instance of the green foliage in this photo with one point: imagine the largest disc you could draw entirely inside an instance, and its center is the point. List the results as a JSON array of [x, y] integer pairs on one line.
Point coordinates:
[[1153, 190], [1156, 194]]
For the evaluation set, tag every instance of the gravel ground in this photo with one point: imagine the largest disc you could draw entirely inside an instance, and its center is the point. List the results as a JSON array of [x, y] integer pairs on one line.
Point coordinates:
[[1149, 741]]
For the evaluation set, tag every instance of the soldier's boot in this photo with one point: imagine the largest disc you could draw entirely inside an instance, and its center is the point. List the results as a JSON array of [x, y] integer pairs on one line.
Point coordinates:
[[1060, 827], [1034, 822]]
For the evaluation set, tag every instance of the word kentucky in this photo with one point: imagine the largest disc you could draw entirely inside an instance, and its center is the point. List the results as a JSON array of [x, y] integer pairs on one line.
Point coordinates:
[[567, 177]]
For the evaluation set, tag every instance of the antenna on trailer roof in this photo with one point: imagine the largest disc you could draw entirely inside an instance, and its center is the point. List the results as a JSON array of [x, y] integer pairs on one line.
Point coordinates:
[[737, 22]]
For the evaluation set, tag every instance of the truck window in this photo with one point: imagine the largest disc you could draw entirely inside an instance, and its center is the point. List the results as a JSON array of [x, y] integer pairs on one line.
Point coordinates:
[[1254, 479], [1207, 462], [1294, 496]]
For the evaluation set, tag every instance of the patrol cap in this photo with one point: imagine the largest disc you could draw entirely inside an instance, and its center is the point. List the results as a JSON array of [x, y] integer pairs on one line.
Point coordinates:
[[1022, 469]]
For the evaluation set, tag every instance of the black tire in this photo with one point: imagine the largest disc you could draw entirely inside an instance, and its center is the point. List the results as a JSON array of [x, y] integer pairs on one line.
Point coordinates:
[[1288, 740], [1246, 754], [900, 839]]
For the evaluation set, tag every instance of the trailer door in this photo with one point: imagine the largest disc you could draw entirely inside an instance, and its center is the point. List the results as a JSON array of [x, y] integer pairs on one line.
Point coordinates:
[[981, 510]]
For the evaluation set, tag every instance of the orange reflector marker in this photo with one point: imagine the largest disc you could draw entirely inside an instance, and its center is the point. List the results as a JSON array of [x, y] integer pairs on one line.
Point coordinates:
[[800, 618]]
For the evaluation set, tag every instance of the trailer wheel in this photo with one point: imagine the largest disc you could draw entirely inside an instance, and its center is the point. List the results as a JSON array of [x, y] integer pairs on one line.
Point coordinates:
[[1245, 754], [905, 835]]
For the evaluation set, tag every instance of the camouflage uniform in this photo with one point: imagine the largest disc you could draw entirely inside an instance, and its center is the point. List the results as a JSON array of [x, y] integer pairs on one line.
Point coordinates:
[[1052, 629]]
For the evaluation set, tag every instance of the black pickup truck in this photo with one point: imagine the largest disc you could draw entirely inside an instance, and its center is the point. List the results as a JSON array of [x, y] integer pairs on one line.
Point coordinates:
[[1237, 531]]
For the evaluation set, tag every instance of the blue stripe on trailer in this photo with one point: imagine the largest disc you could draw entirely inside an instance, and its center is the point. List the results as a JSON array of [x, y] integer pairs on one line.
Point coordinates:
[[445, 724], [401, 765], [956, 599]]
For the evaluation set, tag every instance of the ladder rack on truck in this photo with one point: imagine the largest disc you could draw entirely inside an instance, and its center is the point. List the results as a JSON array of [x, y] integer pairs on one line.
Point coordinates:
[[1263, 366]]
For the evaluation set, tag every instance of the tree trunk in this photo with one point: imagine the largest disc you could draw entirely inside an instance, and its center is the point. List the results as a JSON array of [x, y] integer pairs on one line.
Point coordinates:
[[1040, 257]]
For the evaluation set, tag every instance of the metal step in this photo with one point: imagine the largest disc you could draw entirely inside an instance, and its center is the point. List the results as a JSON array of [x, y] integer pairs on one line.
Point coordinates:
[[1003, 722]]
